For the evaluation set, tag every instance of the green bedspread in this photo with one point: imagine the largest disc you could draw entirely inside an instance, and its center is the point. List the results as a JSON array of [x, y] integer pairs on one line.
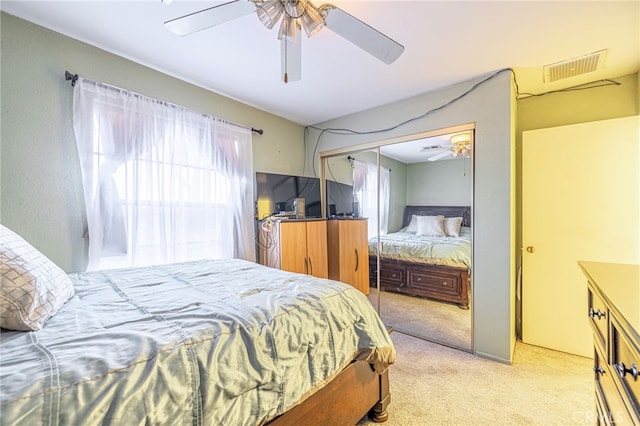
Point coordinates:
[[406, 246], [214, 342]]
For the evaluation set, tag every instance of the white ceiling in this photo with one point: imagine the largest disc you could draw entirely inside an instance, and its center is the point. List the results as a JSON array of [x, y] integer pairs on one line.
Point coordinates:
[[445, 43], [420, 150]]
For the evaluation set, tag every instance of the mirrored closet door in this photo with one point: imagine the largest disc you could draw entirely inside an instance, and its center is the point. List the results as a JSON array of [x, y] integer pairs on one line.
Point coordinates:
[[420, 191]]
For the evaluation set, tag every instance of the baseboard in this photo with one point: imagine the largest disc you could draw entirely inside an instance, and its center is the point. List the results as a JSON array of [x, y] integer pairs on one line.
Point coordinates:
[[494, 358]]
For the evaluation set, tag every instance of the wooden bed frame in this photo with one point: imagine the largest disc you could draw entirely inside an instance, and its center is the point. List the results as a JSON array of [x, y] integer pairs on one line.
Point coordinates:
[[438, 282], [353, 393]]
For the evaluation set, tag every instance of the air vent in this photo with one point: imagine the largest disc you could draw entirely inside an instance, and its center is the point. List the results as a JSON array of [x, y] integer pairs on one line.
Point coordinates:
[[430, 147], [574, 67]]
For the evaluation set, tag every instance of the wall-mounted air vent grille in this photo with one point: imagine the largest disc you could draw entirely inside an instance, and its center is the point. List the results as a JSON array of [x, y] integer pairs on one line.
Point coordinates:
[[574, 67]]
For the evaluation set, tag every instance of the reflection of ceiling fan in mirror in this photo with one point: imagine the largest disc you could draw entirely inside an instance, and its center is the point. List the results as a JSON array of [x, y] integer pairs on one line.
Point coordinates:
[[459, 146], [296, 15]]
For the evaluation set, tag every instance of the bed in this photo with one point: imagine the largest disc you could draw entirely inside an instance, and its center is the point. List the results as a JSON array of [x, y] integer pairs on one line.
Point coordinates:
[[201, 342], [434, 267]]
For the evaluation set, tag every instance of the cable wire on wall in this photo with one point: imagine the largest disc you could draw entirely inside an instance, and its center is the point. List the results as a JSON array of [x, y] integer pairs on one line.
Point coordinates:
[[339, 131], [585, 86], [349, 132], [519, 96]]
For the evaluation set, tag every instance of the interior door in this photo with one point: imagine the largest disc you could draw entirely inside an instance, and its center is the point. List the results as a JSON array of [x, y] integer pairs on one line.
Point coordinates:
[[580, 198]]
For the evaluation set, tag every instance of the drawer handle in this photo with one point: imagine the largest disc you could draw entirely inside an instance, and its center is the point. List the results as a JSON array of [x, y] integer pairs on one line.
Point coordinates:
[[393, 275], [597, 313], [598, 370], [418, 279], [444, 284], [623, 370]]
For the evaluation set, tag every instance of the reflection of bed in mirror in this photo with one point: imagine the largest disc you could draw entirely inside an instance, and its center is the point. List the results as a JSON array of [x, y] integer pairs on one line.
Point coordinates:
[[434, 267]]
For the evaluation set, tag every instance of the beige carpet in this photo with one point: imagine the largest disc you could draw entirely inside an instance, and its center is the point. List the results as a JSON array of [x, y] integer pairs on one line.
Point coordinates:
[[432, 320], [435, 385]]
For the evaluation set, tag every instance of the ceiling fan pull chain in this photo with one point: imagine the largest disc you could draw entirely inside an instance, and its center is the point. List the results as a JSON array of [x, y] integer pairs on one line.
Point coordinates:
[[286, 48]]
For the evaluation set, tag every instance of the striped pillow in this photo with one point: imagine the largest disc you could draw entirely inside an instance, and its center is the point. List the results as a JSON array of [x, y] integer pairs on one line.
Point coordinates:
[[33, 287]]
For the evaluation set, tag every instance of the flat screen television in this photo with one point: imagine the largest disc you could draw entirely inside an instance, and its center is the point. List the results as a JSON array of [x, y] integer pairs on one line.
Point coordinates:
[[339, 199], [276, 193]]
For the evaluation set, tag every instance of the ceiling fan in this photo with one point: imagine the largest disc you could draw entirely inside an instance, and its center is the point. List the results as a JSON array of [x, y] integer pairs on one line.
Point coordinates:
[[459, 147], [296, 15]]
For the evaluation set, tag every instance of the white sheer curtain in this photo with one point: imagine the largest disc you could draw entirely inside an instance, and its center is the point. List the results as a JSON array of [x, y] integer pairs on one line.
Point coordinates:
[[161, 183], [365, 190]]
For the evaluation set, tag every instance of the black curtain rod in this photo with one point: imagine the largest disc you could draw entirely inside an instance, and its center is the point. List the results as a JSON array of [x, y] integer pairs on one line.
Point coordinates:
[[350, 158], [74, 77]]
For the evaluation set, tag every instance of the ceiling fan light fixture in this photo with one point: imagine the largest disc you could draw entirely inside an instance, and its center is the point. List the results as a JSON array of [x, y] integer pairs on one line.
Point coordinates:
[[461, 151], [269, 12], [311, 20], [295, 8], [288, 29], [463, 138]]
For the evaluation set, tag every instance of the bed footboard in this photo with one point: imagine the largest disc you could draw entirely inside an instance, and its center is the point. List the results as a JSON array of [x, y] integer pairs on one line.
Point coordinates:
[[356, 391]]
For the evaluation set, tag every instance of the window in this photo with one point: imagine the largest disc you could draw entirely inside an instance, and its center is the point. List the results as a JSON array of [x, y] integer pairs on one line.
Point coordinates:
[[162, 184], [365, 188]]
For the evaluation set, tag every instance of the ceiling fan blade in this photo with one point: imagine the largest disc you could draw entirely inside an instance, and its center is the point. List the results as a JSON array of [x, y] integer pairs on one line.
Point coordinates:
[[291, 59], [439, 156], [362, 35], [210, 17]]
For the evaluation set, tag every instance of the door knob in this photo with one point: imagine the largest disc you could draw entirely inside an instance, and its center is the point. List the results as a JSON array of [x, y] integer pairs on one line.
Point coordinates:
[[530, 249]]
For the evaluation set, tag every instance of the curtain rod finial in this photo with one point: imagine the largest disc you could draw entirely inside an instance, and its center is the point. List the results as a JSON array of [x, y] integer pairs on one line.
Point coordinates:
[[73, 77]]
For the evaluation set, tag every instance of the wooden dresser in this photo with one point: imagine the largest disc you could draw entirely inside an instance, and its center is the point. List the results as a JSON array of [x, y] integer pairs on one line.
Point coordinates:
[[349, 252], [614, 315], [295, 245]]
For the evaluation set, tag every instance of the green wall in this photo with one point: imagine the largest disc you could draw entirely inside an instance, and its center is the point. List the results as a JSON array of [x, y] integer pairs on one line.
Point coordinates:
[[40, 183], [439, 183], [398, 190], [579, 106]]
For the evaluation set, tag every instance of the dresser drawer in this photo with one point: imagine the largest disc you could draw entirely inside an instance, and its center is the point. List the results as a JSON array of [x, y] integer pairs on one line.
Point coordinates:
[[598, 317], [435, 283], [602, 413], [625, 359], [602, 410], [392, 275], [614, 410]]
